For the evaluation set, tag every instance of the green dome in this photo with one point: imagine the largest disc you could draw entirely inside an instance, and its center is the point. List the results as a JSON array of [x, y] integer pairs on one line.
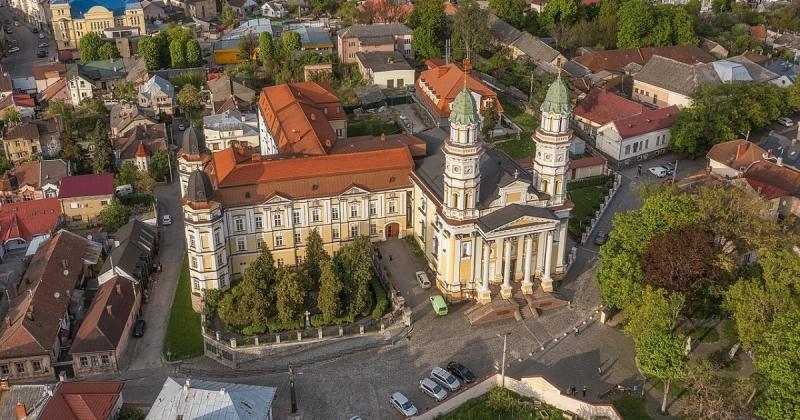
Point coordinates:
[[557, 99], [463, 110]]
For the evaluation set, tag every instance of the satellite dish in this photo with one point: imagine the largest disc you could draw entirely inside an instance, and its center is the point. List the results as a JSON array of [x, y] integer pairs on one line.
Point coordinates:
[[66, 272], [56, 295]]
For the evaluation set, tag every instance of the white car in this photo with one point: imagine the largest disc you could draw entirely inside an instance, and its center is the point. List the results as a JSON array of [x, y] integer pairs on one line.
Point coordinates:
[[44, 45], [13, 49], [16, 23], [785, 121], [181, 127], [166, 220], [403, 404], [433, 389], [41, 35], [659, 171], [445, 379], [422, 279]]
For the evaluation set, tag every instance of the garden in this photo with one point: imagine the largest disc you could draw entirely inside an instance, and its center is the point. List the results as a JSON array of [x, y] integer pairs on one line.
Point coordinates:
[[335, 290], [500, 403], [183, 339], [587, 195]]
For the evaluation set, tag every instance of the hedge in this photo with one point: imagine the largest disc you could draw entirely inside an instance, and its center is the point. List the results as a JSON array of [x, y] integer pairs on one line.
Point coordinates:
[[317, 321], [135, 199], [277, 326], [591, 181], [381, 301]]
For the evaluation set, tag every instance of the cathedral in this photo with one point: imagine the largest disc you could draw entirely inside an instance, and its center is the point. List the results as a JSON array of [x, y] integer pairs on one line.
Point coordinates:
[[485, 224]]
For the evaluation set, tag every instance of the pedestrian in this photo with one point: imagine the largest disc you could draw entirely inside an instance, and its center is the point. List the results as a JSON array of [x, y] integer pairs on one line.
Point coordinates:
[[600, 371], [390, 257], [584, 391], [639, 170], [576, 331], [572, 390]]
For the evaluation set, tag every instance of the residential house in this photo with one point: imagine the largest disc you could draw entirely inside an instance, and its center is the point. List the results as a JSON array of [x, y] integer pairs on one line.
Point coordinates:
[[600, 107], [731, 159], [139, 144], [203, 10], [23, 221], [784, 41], [616, 61], [368, 38], [58, 91], [786, 70], [94, 78], [587, 167], [103, 335], [314, 39], [303, 117], [224, 90], [523, 44], [48, 74], [84, 400], [45, 300], [83, 197], [33, 180], [274, 9], [437, 88], [226, 50], [778, 186], [632, 139], [157, 95], [196, 399], [125, 117], [153, 10], [230, 129], [23, 103], [22, 401], [788, 149], [137, 71], [243, 7], [385, 69], [21, 142], [74, 18], [50, 129], [135, 247]]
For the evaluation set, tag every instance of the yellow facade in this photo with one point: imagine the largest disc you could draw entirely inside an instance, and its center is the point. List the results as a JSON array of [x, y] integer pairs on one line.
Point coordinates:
[[21, 149], [68, 29], [83, 211]]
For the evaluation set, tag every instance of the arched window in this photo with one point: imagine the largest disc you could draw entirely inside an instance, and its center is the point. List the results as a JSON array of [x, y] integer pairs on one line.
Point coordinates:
[[454, 203], [467, 202], [544, 185], [558, 188]]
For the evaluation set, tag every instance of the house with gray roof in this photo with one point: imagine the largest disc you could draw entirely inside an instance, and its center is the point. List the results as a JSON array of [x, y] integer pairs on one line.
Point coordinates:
[[386, 69], [229, 129], [376, 37], [207, 400], [94, 79], [523, 44], [135, 246], [157, 95]]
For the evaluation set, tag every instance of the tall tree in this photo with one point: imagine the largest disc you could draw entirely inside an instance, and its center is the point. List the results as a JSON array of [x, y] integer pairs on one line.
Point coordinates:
[[348, 13], [103, 155], [490, 117], [229, 17], [190, 98], [686, 266], [114, 216], [177, 54], [126, 174], [89, 46], [291, 41], [159, 165], [290, 296], [777, 363], [247, 48], [147, 48], [194, 54], [657, 311], [266, 49], [315, 255], [125, 91], [661, 354], [511, 11], [559, 11], [470, 28], [330, 291], [11, 115], [107, 51], [429, 24], [636, 18]]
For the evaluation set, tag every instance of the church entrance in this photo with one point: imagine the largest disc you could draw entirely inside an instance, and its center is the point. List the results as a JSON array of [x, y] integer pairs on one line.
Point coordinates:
[[392, 230]]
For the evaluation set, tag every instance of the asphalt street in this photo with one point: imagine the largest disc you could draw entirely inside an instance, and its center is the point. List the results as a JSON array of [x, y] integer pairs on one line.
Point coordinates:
[[20, 64]]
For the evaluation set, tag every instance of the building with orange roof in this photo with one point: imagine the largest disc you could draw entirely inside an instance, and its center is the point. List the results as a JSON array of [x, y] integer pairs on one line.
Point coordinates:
[[300, 118], [438, 87], [731, 158], [83, 400], [478, 216]]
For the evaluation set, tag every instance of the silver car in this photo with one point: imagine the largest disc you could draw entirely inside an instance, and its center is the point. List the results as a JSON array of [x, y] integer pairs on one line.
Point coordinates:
[[403, 404], [445, 379], [433, 389]]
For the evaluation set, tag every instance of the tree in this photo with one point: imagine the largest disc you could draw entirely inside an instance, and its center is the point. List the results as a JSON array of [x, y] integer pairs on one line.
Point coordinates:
[[247, 47], [290, 296], [144, 183], [194, 54], [11, 115], [126, 174], [355, 263], [490, 119], [147, 48], [315, 254], [683, 25], [89, 46], [559, 11], [777, 363], [5, 164], [266, 49], [661, 354], [382, 11], [656, 311], [686, 267], [114, 216], [511, 11], [163, 41], [291, 41], [322, 6], [125, 91], [177, 54], [471, 28], [246, 306], [103, 155], [159, 165], [636, 18], [264, 277], [348, 13], [429, 24], [229, 18], [330, 291], [130, 413], [107, 51], [715, 396], [190, 98]]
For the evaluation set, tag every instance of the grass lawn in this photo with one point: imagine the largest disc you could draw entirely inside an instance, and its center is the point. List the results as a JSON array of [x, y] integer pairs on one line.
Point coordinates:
[[183, 339], [512, 407], [517, 148], [587, 202], [632, 408], [366, 126], [526, 121]]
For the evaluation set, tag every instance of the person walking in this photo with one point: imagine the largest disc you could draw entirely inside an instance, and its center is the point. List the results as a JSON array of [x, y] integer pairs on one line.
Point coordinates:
[[584, 391]]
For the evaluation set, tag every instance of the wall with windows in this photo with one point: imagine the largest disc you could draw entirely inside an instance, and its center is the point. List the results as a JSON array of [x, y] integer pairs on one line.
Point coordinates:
[[68, 31], [632, 149], [658, 97], [26, 367], [83, 211], [20, 149]]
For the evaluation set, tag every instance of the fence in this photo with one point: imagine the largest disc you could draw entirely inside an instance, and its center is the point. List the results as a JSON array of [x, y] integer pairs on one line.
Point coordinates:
[[535, 387], [603, 206]]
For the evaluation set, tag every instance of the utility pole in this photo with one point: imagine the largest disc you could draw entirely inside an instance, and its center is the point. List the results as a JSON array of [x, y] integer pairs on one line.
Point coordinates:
[[675, 172], [503, 365]]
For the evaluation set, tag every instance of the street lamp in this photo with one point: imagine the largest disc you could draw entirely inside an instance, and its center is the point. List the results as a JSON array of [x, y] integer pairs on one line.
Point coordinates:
[[503, 365], [291, 388]]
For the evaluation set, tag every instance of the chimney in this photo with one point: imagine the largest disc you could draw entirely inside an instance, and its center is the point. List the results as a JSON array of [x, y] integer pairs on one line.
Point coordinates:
[[119, 289], [62, 376], [4, 385], [313, 116], [187, 385], [222, 391], [108, 309], [22, 411], [739, 151], [467, 66]]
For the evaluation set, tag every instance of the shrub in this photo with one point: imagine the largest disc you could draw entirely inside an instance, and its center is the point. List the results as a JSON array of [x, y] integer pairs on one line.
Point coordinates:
[[592, 181], [719, 359], [318, 321], [381, 301], [278, 326], [137, 199], [257, 328]]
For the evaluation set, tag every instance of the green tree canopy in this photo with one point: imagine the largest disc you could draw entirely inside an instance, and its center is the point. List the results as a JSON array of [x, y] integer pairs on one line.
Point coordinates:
[[559, 11], [103, 155], [315, 255], [89, 46], [266, 48], [125, 91], [190, 98], [290, 296], [247, 48], [159, 165], [470, 29], [329, 299], [291, 41], [147, 48], [661, 354], [778, 364], [114, 216], [177, 54], [194, 54], [511, 11], [107, 51], [229, 18], [429, 24], [126, 175]]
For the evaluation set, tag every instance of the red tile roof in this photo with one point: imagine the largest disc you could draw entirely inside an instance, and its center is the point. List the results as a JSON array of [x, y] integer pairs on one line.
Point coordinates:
[[646, 122], [5, 82], [299, 114], [101, 330], [46, 71], [616, 60], [736, 154], [83, 401], [759, 32], [601, 107], [771, 180], [446, 82], [26, 219], [587, 162], [86, 185]]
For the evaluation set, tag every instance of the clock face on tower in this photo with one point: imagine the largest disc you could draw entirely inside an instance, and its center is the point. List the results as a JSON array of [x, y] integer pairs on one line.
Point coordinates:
[[468, 170], [560, 158], [548, 157], [456, 169]]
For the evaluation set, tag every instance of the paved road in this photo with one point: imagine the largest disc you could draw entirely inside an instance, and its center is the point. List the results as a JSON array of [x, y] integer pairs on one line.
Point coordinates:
[[20, 64]]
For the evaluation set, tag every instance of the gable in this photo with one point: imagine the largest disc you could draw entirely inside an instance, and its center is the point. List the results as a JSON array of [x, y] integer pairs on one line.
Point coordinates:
[[525, 221], [353, 190]]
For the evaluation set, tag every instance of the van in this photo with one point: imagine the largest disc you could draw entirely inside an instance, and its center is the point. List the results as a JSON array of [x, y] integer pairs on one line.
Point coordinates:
[[439, 305], [124, 190]]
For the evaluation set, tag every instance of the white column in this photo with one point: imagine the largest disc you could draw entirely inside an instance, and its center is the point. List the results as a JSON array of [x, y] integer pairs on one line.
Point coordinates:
[[475, 259], [562, 245], [527, 286], [457, 265], [484, 295], [547, 281], [520, 255], [540, 240], [505, 290]]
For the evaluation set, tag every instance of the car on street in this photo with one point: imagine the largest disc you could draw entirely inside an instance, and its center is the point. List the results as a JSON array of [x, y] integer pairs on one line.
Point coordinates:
[[13, 49], [445, 379], [35, 30], [138, 328], [658, 171], [41, 36], [433, 389], [41, 53], [461, 372], [9, 30], [16, 23], [403, 404], [181, 127], [785, 121], [44, 45], [422, 279], [439, 305], [6, 21], [670, 168], [166, 220], [600, 238]]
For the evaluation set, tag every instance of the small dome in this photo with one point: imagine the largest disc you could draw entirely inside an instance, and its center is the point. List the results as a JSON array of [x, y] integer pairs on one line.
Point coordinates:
[[557, 99], [199, 187], [464, 110], [193, 142]]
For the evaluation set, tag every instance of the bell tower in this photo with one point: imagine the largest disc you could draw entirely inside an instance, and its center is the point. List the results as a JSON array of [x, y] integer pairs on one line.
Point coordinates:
[[463, 151], [553, 139]]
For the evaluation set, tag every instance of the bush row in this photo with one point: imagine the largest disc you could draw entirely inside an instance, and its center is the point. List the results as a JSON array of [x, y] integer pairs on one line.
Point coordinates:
[[591, 181]]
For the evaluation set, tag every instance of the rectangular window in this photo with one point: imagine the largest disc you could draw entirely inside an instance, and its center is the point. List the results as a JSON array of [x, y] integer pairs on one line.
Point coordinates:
[[239, 224], [95, 361], [315, 215], [635, 147], [74, 205], [4, 370], [84, 361], [277, 219], [373, 208], [36, 365], [104, 360], [279, 261], [20, 367], [102, 202], [240, 244], [335, 213], [628, 149], [217, 237], [353, 231], [259, 243], [219, 260], [466, 249], [335, 233], [296, 216], [194, 262], [297, 238], [354, 210], [646, 143], [259, 222], [373, 229], [392, 206], [192, 242], [278, 241], [299, 259]]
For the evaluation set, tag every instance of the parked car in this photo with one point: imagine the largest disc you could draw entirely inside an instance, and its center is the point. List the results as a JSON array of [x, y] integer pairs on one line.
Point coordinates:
[[41, 53], [670, 168], [439, 305], [166, 220], [403, 404], [41, 36], [138, 328], [600, 238], [785, 121], [16, 23], [44, 45], [461, 372], [658, 171], [434, 390], [124, 190], [181, 127], [445, 379], [9, 30], [35, 30], [13, 49], [422, 279]]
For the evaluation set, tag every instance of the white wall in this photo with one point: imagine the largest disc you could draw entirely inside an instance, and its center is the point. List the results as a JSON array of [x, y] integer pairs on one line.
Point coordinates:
[[611, 143], [381, 78]]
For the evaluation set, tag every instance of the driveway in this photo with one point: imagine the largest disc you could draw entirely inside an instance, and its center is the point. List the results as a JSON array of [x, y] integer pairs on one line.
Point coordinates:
[[410, 117], [20, 64]]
